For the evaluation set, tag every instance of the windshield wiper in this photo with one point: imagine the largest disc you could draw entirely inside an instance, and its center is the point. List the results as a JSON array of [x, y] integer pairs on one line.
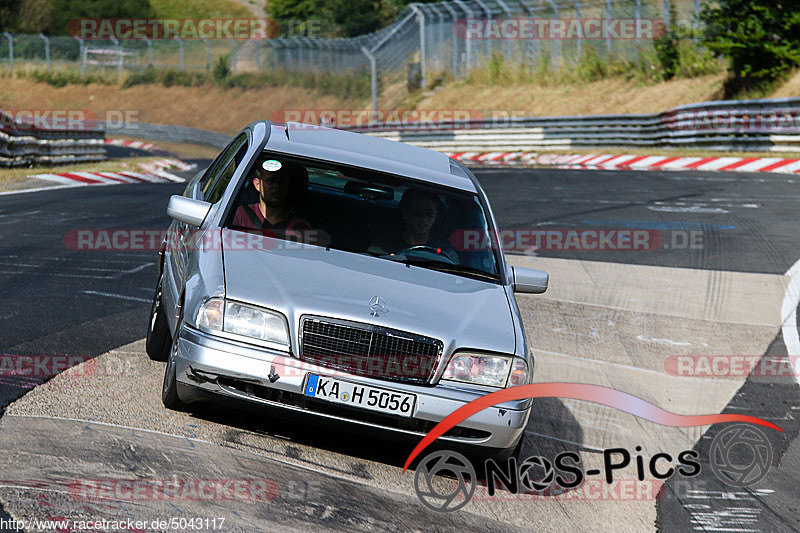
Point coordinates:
[[442, 266]]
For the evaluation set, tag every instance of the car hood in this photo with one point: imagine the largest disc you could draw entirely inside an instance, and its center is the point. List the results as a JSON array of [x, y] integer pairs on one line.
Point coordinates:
[[461, 312]]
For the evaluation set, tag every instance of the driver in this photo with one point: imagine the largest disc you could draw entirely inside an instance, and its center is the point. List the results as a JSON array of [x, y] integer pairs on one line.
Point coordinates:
[[418, 212], [274, 209]]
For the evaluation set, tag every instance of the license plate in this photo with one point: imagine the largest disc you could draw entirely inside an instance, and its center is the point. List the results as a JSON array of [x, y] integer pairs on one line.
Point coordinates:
[[372, 398]]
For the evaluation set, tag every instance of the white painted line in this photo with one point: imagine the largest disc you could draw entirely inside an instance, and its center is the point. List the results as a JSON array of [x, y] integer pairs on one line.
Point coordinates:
[[270, 456], [617, 161], [609, 363], [791, 298], [758, 164], [56, 178], [118, 176], [92, 176], [592, 161], [39, 189], [718, 163], [580, 160], [143, 177], [120, 296], [788, 169], [648, 161], [680, 163]]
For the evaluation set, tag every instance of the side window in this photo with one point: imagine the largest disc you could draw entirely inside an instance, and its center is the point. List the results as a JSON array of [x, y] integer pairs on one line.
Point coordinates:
[[218, 189], [207, 181]]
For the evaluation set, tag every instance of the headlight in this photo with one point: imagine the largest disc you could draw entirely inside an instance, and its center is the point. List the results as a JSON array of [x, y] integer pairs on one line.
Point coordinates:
[[217, 314], [486, 369]]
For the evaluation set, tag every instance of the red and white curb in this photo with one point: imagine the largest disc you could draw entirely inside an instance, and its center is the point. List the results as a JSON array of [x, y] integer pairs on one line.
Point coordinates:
[[139, 145], [154, 172], [633, 162]]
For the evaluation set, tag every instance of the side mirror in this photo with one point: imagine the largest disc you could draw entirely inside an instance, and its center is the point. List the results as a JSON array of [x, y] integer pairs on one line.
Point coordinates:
[[530, 281], [188, 210]]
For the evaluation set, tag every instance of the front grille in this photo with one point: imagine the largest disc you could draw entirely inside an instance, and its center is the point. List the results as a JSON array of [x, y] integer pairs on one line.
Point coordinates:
[[367, 350]]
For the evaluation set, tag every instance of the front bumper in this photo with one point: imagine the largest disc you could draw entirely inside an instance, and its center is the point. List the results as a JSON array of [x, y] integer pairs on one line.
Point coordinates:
[[238, 370]]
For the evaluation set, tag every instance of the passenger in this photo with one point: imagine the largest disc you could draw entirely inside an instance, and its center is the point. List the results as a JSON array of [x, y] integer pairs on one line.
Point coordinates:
[[277, 196], [418, 213]]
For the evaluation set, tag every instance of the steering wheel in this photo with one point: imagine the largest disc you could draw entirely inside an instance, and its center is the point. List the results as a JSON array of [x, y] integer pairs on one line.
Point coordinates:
[[438, 253]]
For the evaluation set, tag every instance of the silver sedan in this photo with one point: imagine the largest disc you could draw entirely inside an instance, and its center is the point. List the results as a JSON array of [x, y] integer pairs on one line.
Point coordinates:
[[351, 278]]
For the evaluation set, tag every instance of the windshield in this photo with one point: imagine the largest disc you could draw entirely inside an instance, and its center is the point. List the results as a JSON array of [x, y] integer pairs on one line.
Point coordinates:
[[367, 212]]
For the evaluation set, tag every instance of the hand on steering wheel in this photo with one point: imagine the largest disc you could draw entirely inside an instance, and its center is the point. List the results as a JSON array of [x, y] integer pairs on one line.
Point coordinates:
[[438, 252]]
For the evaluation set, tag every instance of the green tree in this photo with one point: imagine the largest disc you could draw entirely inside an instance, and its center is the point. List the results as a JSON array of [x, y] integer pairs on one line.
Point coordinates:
[[338, 18], [761, 38], [8, 10]]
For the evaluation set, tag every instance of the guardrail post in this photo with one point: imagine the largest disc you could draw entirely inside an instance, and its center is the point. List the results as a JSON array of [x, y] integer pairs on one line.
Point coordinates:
[[43, 37], [453, 14], [505, 8], [638, 22], [149, 52], [180, 52], [10, 51], [556, 58], [82, 54], [580, 26], [422, 51], [467, 42], [119, 56], [531, 44], [234, 50], [373, 77], [488, 18], [208, 55]]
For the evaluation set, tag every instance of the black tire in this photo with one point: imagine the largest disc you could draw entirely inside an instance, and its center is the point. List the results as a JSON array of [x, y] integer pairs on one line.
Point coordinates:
[[169, 390], [158, 337]]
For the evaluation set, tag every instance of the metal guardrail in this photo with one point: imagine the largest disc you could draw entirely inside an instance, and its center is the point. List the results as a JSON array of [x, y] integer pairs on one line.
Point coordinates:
[[747, 125], [163, 132], [49, 147]]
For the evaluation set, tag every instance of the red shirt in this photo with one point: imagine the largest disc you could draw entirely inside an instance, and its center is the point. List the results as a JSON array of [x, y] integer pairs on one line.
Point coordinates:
[[292, 225]]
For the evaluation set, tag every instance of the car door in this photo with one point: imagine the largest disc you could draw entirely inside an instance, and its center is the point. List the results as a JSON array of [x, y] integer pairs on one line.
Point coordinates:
[[180, 238]]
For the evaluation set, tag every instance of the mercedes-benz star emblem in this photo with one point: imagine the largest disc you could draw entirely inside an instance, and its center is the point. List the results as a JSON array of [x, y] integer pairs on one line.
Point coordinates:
[[450, 499], [377, 305]]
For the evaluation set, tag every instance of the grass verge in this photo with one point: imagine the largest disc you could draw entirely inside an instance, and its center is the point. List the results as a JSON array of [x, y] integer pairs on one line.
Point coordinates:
[[20, 178]]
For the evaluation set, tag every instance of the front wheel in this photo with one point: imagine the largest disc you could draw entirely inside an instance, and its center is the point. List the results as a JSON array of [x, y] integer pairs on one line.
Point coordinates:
[[169, 390], [158, 337]]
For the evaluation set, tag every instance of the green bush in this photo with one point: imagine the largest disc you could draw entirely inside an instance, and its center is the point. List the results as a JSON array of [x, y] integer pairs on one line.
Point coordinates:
[[182, 78], [148, 75], [760, 38], [591, 67], [62, 78], [221, 68]]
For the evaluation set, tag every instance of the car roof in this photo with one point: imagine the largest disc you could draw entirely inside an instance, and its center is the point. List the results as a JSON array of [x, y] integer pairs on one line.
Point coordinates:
[[359, 150]]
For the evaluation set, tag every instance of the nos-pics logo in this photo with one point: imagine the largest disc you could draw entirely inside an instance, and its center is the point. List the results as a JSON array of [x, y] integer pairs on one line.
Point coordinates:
[[445, 481]]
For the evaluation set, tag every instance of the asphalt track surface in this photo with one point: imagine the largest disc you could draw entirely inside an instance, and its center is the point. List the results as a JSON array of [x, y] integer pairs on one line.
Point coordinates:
[[61, 301]]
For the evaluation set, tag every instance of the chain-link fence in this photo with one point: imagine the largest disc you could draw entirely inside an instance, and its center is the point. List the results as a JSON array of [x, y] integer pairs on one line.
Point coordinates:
[[447, 38]]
